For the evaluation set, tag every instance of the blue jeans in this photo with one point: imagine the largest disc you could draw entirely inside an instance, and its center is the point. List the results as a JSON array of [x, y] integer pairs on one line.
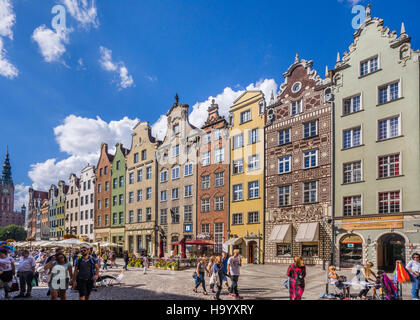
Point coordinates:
[[125, 265], [105, 267], [415, 288]]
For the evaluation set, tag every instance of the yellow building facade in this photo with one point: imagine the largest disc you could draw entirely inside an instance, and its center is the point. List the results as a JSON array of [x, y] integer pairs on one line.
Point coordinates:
[[246, 132]]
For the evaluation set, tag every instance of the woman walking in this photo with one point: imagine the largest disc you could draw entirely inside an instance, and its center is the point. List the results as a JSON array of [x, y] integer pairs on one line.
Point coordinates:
[[219, 275], [211, 273], [296, 274], [7, 270], [201, 269], [364, 275], [61, 275]]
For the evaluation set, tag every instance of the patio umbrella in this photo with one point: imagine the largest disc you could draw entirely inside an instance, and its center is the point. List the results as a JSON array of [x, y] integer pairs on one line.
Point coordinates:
[[73, 243], [109, 244]]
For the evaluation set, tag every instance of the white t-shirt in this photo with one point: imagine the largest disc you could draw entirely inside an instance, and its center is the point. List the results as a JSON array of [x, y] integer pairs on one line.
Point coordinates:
[[414, 265], [234, 265], [6, 264], [26, 264]]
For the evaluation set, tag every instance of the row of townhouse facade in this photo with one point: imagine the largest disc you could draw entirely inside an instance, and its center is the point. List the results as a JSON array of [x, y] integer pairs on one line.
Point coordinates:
[[327, 169]]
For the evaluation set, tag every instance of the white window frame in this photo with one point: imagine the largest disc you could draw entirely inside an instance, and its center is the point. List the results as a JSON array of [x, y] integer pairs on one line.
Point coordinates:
[[351, 99], [284, 194], [298, 105], [284, 160], [316, 192], [369, 65], [352, 137], [284, 133], [310, 155], [388, 87], [353, 171], [388, 128]]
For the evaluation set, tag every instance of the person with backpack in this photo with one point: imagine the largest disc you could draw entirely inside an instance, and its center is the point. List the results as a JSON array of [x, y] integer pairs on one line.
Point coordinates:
[[296, 274], [86, 272]]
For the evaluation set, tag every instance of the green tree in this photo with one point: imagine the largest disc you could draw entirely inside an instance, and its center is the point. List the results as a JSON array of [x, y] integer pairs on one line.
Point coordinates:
[[12, 231]]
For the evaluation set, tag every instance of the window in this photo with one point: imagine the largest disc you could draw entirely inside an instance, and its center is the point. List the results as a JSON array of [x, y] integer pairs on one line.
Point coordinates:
[[217, 134], [188, 169], [207, 138], [99, 221], [310, 250], [284, 196], [118, 165], [238, 166], [310, 159], [310, 129], [140, 175], [136, 157], [163, 176], [176, 129], [253, 136], [139, 215], [131, 216], [149, 173], [163, 196], [369, 66], [284, 165], [106, 220], [246, 116], [121, 200], [352, 206], [284, 137], [115, 183], [120, 218], [99, 191], [220, 155], [237, 192], [175, 173], [143, 155], [106, 185], [352, 138], [352, 172], [205, 182], [175, 151], [237, 218], [114, 218], [219, 203], [205, 159], [188, 191], [163, 216], [389, 166], [352, 105], [175, 194], [106, 170], [130, 197], [254, 162], [310, 192], [296, 107], [106, 202], [175, 215], [205, 228], [99, 204], [389, 202], [219, 179], [253, 217], [389, 128], [131, 178], [100, 172], [238, 141], [139, 195], [148, 214], [253, 190], [149, 193], [283, 249], [389, 92], [81, 201], [205, 205]]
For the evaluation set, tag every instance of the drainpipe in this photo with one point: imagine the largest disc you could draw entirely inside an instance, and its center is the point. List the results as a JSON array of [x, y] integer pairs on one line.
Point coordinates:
[[333, 235]]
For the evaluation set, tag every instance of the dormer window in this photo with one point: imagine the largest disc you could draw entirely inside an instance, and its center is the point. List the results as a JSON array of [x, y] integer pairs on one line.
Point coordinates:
[[296, 107], [176, 129]]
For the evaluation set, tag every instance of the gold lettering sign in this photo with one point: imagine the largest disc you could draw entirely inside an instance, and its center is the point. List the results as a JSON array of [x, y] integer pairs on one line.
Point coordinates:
[[373, 219], [372, 226]]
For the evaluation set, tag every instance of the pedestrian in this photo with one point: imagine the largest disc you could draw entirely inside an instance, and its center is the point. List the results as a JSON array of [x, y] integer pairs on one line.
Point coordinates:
[[414, 268], [126, 259], [225, 271], [296, 274], [201, 269], [113, 258], [7, 270], [86, 272], [364, 276], [234, 266], [26, 273], [61, 276], [74, 256], [145, 263], [219, 276], [105, 260], [211, 273]]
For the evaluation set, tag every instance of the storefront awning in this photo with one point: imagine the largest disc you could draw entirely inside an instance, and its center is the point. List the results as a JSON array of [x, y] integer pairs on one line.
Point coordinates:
[[308, 232], [281, 234], [233, 242]]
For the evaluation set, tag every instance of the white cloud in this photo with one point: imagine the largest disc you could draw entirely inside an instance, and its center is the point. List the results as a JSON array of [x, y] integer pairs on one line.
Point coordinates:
[[352, 2], [160, 127], [81, 139], [107, 64], [51, 44], [151, 78], [7, 69], [21, 196], [83, 11], [7, 18]]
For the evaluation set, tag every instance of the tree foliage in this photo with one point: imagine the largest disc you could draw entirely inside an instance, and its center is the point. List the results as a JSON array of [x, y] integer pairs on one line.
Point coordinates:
[[12, 231]]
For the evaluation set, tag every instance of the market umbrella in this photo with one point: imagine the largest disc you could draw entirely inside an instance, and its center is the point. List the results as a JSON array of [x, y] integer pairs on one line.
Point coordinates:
[[70, 243], [109, 244]]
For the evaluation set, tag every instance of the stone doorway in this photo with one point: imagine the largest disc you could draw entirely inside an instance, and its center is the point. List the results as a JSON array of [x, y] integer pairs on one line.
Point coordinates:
[[391, 247]]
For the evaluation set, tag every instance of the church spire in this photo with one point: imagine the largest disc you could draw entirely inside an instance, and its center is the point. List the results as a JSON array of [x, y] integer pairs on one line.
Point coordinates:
[[6, 177]]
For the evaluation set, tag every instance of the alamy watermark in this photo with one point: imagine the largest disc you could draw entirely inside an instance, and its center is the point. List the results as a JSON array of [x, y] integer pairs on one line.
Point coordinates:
[[360, 16], [59, 20]]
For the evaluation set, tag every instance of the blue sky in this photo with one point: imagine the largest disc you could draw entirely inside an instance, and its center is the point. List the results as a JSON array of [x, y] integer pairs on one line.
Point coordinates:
[[124, 60]]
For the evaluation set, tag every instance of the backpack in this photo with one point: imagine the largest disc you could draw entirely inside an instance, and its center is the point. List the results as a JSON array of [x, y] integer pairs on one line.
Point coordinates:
[[299, 276]]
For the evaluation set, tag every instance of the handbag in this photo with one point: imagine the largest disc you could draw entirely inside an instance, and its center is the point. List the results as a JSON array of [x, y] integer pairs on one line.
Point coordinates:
[[286, 284], [15, 286]]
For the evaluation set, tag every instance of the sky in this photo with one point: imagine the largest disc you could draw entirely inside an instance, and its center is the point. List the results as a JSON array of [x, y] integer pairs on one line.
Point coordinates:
[[67, 85]]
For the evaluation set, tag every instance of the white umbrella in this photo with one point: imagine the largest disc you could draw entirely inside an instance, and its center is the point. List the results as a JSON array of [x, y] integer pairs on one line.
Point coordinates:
[[50, 244], [73, 243], [108, 244]]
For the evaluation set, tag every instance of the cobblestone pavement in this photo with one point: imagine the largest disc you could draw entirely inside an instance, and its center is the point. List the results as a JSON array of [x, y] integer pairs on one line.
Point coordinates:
[[264, 282]]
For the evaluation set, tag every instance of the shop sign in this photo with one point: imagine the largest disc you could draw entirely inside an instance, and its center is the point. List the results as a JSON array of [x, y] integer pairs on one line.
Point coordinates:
[[374, 225]]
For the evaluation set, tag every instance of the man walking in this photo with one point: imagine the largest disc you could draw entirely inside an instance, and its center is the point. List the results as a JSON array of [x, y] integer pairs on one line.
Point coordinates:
[[25, 272], [126, 260], [234, 265], [225, 269], [414, 268], [86, 272]]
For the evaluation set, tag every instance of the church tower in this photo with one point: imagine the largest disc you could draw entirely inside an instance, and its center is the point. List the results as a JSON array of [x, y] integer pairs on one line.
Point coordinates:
[[6, 186]]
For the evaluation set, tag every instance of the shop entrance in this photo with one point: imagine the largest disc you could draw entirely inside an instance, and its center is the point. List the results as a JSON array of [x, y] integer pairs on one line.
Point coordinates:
[[391, 247], [251, 252], [351, 251]]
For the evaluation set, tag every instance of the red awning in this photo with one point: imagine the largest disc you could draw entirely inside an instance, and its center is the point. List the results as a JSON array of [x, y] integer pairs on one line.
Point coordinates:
[[199, 243]]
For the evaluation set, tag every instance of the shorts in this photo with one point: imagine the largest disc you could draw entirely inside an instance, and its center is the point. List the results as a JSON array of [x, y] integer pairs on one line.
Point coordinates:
[[84, 287], [224, 279]]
